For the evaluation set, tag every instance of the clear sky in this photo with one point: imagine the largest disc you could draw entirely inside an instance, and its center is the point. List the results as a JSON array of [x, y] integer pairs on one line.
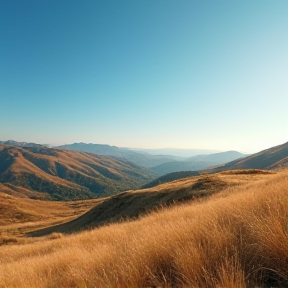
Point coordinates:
[[210, 74]]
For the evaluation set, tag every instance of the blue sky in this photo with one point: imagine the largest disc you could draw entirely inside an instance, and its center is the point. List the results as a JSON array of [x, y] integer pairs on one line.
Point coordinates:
[[145, 74]]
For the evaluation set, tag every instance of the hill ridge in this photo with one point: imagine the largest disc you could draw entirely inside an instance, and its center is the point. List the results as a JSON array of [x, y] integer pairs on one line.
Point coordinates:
[[270, 158]]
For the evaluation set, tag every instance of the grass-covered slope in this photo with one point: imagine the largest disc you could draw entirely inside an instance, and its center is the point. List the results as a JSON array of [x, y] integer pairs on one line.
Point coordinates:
[[15, 210], [235, 238], [18, 215], [132, 204], [63, 175]]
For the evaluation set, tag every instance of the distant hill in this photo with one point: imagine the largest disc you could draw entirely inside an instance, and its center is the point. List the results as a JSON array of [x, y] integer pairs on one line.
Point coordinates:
[[46, 173], [20, 144], [196, 163], [269, 159], [183, 153], [219, 157], [139, 158], [99, 149], [178, 166]]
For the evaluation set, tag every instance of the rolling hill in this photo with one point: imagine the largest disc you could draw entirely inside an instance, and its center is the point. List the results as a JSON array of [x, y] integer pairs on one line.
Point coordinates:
[[15, 210], [132, 204], [45, 173], [268, 159]]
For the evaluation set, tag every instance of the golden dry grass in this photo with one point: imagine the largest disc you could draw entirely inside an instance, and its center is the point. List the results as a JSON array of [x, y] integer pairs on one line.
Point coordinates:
[[21, 215], [236, 238], [134, 204]]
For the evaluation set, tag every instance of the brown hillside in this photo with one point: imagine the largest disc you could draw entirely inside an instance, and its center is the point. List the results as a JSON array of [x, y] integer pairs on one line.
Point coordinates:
[[283, 163], [269, 159], [64, 175], [132, 204], [21, 192], [21, 215]]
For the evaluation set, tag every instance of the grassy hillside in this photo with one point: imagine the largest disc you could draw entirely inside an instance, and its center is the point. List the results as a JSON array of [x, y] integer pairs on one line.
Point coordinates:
[[132, 204], [18, 216], [235, 238], [21, 210], [63, 175]]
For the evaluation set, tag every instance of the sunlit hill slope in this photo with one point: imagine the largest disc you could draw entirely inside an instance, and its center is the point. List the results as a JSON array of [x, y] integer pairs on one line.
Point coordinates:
[[45, 173], [135, 203]]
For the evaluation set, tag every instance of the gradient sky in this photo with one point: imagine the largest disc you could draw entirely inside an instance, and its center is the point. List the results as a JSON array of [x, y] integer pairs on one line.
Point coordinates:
[[208, 74]]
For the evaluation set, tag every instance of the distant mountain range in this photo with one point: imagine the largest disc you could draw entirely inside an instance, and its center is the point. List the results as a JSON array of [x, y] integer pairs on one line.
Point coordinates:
[[269, 159], [159, 164], [196, 163], [45, 173], [20, 144], [183, 153], [139, 158]]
